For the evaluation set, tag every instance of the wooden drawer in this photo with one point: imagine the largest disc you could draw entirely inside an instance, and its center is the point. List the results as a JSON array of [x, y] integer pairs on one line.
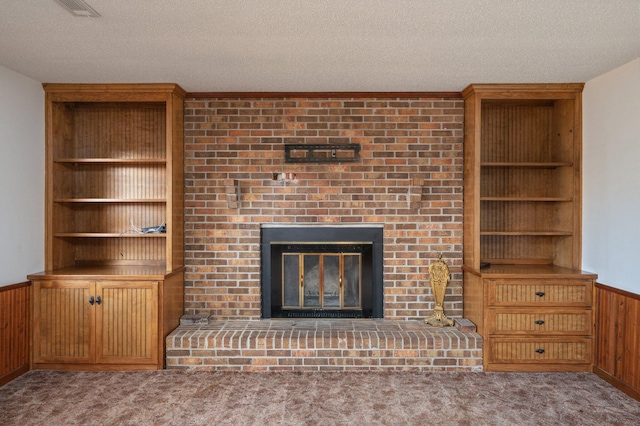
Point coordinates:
[[539, 292], [539, 351], [539, 321]]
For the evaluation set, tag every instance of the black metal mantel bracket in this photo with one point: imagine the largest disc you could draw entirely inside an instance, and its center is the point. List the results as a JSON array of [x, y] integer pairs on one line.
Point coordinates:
[[326, 153]]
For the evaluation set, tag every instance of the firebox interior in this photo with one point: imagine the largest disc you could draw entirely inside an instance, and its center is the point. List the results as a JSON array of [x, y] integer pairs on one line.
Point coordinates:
[[321, 272]]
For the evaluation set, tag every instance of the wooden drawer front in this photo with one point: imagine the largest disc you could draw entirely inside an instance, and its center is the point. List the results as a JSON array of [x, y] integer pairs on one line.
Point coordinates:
[[540, 293], [540, 351], [515, 322]]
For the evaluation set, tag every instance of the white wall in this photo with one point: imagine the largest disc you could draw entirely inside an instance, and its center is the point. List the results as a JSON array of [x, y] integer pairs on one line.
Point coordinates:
[[21, 177], [611, 176]]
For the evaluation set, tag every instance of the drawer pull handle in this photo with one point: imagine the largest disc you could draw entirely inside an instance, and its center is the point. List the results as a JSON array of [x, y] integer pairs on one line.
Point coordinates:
[[98, 300], [539, 293], [540, 351], [91, 300], [539, 322]]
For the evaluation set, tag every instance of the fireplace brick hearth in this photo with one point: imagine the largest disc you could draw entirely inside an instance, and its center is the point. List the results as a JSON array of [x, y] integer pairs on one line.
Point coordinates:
[[408, 179], [324, 345]]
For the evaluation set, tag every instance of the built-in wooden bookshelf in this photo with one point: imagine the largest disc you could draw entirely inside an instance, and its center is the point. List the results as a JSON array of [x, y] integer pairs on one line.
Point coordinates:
[[522, 174], [522, 225], [114, 165]]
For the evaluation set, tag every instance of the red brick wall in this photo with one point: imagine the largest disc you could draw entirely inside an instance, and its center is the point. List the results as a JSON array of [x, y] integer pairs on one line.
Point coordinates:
[[409, 177]]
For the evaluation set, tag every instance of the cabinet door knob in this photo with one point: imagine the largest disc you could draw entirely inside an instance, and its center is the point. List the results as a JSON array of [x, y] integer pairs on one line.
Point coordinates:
[[539, 322], [91, 300], [539, 293], [98, 300], [540, 351]]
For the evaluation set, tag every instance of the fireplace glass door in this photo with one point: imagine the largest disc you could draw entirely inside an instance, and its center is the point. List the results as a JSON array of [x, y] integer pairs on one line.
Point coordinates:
[[321, 280]]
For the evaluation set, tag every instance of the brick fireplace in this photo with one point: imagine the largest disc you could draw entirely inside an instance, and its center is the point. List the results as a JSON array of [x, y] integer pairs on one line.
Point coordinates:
[[407, 181], [409, 178]]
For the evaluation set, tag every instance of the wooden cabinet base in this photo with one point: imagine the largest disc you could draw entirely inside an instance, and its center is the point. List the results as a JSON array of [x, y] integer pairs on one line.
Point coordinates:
[[104, 318], [532, 318]]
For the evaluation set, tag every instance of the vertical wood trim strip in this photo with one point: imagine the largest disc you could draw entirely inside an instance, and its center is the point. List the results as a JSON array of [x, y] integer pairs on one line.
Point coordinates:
[[15, 329]]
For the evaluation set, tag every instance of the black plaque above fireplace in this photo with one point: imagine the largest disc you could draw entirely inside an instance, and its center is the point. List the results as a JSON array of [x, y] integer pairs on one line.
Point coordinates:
[[320, 271]]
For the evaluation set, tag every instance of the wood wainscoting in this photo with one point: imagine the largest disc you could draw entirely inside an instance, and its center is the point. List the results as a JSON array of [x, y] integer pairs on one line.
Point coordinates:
[[15, 303], [617, 348]]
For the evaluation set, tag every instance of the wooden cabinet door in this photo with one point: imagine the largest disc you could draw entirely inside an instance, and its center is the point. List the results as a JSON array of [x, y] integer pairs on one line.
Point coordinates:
[[64, 320], [127, 322]]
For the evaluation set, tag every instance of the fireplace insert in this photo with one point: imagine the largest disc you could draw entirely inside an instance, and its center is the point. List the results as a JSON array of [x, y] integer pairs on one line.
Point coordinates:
[[321, 272]]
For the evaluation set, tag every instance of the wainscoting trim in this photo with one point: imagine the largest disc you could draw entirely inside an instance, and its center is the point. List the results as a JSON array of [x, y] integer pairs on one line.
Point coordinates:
[[617, 352], [15, 312]]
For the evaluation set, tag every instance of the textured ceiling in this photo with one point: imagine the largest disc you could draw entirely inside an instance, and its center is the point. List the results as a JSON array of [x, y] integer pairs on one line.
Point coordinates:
[[320, 45]]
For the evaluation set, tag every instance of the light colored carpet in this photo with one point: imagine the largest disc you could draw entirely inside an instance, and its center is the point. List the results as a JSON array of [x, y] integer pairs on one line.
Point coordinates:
[[177, 397]]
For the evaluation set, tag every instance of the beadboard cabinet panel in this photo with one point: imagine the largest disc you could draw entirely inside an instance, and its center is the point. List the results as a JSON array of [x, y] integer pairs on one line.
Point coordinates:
[[127, 323], [63, 321]]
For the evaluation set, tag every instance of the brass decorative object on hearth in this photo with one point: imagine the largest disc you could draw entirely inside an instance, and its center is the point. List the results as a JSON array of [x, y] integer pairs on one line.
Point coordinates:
[[439, 276]]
